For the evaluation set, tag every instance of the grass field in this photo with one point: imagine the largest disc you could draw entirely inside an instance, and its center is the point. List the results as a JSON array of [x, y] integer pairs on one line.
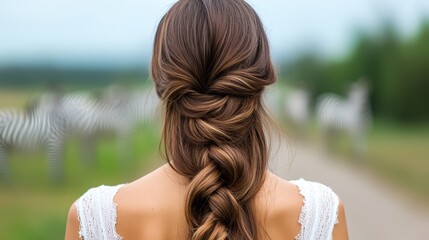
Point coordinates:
[[15, 98], [32, 207], [401, 155]]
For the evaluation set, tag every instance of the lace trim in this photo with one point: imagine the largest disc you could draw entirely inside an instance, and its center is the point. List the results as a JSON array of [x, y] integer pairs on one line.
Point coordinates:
[[303, 213], [97, 213], [319, 212], [115, 217]]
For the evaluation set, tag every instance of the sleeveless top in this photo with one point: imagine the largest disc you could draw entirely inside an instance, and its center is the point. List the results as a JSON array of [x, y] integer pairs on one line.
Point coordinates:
[[97, 212]]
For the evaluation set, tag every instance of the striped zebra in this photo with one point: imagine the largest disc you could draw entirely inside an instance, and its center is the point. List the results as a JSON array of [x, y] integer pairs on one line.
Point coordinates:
[[118, 111], [297, 109], [142, 106], [351, 115], [51, 119], [82, 112], [123, 111], [41, 125], [129, 108], [273, 100]]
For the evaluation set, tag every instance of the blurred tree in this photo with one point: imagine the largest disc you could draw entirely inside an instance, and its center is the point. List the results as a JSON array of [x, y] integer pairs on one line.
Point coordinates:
[[44, 77], [398, 71]]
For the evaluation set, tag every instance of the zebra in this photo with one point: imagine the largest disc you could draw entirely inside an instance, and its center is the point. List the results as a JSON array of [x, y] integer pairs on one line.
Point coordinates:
[[81, 111], [297, 108], [129, 108], [142, 106], [40, 125], [86, 118], [352, 115], [273, 100], [53, 118], [123, 111], [118, 111]]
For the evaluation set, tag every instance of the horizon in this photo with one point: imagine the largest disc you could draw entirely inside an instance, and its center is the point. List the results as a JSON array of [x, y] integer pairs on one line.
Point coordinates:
[[106, 35]]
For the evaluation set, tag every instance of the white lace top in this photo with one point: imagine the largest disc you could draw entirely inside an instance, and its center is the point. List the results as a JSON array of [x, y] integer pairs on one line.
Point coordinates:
[[97, 212]]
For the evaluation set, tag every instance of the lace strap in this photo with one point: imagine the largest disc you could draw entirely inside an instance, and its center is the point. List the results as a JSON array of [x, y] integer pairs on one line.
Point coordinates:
[[97, 213], [319, 212]]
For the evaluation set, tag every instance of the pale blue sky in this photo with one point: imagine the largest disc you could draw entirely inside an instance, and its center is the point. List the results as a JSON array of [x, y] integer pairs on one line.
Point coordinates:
[[121, 32]]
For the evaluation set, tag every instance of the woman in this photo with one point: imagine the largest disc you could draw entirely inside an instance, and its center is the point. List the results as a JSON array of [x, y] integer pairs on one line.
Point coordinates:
[[210, 64]]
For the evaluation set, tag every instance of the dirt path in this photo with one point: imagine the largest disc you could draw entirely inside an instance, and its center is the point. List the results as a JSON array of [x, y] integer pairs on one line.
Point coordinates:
[[374, 209]]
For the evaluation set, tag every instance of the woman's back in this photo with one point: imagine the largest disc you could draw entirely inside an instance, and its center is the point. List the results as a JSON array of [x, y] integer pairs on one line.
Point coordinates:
[[153, 208], [164, 212], [210, 65]]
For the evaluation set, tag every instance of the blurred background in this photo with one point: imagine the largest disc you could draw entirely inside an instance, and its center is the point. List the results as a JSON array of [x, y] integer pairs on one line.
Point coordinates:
[[77, 107]]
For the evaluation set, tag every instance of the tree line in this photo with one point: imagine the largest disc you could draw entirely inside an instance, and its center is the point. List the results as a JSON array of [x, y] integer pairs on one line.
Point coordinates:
[[72, 77], [396, 68]]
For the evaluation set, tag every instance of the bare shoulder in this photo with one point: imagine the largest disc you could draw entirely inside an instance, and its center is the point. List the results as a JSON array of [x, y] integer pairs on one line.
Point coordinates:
[[72, 228], [151, 189], [320, 196], [340, 230], [145, 203], [287, 196], [283, 207], [286, 202]]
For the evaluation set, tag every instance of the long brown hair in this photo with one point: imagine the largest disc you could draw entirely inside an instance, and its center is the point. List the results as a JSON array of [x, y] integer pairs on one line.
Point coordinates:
[[210, 64]]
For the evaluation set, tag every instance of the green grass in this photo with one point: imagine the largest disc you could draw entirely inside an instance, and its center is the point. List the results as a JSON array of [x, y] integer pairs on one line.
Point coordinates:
[[401, 154], [12, 98], [32, 207]]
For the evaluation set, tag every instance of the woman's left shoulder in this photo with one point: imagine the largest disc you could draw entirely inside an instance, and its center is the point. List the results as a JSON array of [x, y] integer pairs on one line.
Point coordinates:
[[318, 197], [314, 188], [322, 210]]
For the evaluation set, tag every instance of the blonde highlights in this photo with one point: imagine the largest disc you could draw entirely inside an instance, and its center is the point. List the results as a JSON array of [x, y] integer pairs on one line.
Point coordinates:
[[210, 64]]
